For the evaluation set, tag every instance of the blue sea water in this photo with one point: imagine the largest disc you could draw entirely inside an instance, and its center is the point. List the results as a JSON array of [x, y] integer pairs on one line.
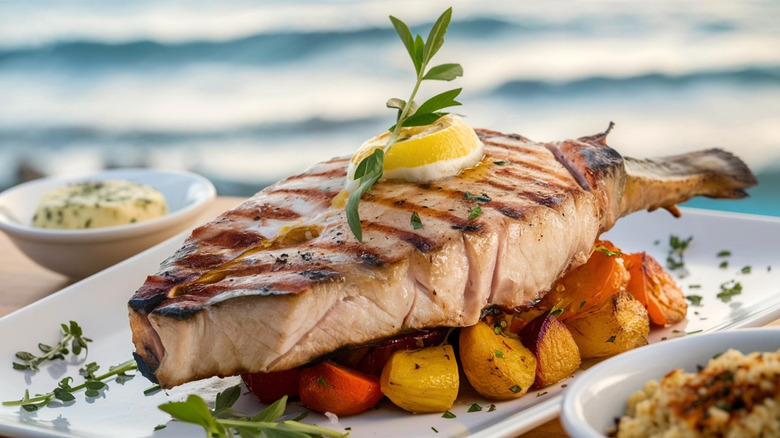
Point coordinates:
[[247, 93]]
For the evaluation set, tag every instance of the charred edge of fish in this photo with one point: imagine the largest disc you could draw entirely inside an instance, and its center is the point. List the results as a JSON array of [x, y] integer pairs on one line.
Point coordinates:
[[319, 274], [603, 160], [177, 312], [371, 260], [144, 368], [146, 304]]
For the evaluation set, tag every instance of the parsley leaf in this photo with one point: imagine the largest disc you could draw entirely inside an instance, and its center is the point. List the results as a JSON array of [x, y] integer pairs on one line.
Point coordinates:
[[475, 212], [416, 221]]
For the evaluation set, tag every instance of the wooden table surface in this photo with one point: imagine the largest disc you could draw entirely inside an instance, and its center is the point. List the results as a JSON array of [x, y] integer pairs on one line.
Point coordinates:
[[24, 282]]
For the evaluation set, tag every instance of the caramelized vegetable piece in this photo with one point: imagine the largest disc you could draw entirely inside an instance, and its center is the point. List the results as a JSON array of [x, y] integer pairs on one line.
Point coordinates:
[[423, 380], [497, 366], [557, 355], [270, 387], [371, 359], [327, 387], [618, 324], [588, 285], [656, 289]]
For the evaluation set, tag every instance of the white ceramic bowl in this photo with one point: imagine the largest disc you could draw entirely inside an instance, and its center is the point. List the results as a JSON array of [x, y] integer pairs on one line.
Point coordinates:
[[598, 396], [80, 253]]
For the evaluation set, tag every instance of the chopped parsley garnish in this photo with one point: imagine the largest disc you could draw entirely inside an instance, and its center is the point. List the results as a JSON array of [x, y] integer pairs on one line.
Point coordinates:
[[677, 247], [515, 389], [434, 429], [448, 414], [611, 339], [474, 408], [728, 290], [724, 253], [694, 286], [582, 304], [501, 163], [324, 382], [159, 427], [499, 354], [746, 270], [475, 212], [694, 299], [491, 408], [606, 251], [724, 264], [416, 222], [483, 199], [555, 311]]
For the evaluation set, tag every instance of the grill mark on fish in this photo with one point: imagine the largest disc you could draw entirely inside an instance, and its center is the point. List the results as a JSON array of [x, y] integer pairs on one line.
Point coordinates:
[[198, 260], [419, 242], [313, 195], [263, 212], [352, 249], [506, 210], [319, 275], [230, 238], [394, 202], [467, 227], [336, 172]]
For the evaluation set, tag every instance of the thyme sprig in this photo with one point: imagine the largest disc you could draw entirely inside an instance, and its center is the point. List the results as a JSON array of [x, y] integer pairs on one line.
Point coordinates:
[[73, 340], [370, 169], [92, 385], [225, 422]]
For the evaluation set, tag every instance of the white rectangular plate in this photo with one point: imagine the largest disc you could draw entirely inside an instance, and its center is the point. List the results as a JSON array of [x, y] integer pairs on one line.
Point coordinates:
[[99, 305]]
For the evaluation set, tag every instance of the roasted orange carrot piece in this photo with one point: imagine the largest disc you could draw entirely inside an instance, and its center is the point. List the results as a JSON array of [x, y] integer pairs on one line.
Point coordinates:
[[656, 289], [328, 387], [586, 286]]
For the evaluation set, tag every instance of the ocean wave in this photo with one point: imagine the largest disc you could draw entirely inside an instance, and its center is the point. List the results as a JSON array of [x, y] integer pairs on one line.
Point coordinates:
[[55, 136], [285, 46], [746, 77]]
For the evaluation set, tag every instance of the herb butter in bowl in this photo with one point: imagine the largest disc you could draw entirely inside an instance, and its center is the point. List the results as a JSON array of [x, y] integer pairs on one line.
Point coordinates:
[[78, 226]]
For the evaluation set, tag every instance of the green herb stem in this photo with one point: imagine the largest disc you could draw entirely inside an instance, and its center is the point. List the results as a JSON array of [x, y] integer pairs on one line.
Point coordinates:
[[43, 399]]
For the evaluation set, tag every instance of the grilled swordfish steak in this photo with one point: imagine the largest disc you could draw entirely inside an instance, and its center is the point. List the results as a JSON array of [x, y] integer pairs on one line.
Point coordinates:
[[280, 280]]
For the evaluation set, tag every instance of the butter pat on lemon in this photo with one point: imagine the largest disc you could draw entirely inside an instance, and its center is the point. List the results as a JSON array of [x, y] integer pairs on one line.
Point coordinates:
[[423, 153]]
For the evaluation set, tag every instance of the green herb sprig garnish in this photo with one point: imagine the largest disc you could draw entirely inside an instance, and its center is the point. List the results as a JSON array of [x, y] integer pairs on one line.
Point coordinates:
[[73, 340], [370, 169], [225, 422], [92, 385]]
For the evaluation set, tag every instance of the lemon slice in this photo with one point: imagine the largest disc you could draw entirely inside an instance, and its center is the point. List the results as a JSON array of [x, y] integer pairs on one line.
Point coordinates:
[[424, 153]]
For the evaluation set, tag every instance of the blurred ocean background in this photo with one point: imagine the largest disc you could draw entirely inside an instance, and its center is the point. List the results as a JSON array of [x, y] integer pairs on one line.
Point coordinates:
[[248, 92]]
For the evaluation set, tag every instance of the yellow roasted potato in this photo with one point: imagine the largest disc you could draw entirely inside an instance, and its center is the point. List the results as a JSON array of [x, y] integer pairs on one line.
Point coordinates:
[[618, 324], [497, 366], [557, 355], [423, 380]]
